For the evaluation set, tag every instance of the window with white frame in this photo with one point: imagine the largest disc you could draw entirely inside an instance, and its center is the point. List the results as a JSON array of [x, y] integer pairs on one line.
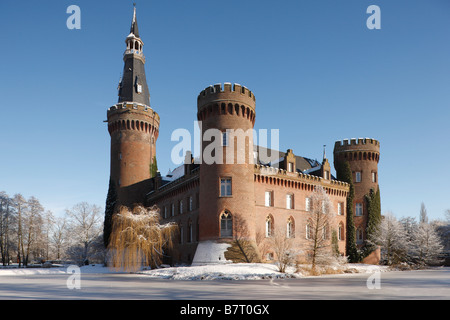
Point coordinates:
[[290, 167], [358, 176], [268, 196], [307, 204], [374, 176], [290, 228], [358, 209], [340, 208], [225, 187], [289, 201]]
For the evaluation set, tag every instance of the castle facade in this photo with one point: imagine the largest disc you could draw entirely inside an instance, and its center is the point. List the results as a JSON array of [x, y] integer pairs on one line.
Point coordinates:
[[212, 203]]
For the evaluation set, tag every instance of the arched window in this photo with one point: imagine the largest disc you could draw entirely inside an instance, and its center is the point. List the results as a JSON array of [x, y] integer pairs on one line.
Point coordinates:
[[309, 234], [190, 238], [226, 225], [181, 233], [341, 231], [269, 226], [290, 228], [359, 236]]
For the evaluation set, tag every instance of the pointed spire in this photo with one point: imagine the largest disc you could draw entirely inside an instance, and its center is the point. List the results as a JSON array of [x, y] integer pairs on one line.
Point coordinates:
[[134, 26]]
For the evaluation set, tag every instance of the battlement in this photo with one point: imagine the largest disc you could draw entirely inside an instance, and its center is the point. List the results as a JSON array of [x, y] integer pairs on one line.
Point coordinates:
[[359, 144], [235, 93], [135, 107]]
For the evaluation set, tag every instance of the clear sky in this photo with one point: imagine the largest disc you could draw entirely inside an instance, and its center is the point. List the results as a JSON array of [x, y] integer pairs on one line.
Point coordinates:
[[318, 74]]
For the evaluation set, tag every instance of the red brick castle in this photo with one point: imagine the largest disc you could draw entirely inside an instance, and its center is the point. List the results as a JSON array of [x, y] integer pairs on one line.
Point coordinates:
[[211, 201]]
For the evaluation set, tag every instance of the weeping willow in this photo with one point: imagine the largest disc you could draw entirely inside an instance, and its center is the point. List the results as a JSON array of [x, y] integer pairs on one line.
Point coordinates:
[[138, 239]]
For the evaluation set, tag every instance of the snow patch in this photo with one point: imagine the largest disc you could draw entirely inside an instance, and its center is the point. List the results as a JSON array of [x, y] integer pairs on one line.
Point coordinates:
[[210, 252]]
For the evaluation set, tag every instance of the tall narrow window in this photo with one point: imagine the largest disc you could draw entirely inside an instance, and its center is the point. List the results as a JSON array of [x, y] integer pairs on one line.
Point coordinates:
[[358, 176], [341, 232], [226, 225], [358, 209], [268, 199], [374, 177], [289, 201], [290, 228], [340, 208], [225, 187], [290, 167], [359, 236], [225, 139], [181, 234], [191, 206], [307, 204], [269, 226], [181, 206], [308, 230], [190, 239]]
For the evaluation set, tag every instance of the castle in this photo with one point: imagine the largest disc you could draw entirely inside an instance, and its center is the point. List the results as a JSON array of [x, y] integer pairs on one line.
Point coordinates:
[[210, 201]]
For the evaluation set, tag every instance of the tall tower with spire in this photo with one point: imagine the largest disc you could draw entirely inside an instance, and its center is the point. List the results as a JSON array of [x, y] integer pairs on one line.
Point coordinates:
[[133, 126]]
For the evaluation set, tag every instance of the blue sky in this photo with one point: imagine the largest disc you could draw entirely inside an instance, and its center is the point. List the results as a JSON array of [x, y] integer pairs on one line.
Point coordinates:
[[318, 73]]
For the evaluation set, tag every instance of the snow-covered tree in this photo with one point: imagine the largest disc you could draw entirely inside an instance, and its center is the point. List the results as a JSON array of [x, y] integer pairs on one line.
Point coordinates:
[[392, 238], [85, 224], [138, 239], [318, 227], [426, 244], [59, 237]]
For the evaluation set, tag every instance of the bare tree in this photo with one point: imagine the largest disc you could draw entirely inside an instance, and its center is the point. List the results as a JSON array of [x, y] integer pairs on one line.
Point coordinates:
[[137, 238], [58, 236], [85, 225], [318, 227], [283, 247], [423, 214], [33, 229], [6, 220], [242, 248]]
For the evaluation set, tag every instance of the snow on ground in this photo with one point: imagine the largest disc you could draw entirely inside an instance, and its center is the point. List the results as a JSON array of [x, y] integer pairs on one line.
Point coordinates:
[[232, 271]]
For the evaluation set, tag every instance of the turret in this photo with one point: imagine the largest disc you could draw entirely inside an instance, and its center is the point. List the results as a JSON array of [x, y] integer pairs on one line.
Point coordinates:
[[226, 115], [133, 126], [363, 156]]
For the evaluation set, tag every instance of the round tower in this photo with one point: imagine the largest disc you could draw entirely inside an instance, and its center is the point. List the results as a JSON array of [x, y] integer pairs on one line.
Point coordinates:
[[363, 156], [133, 126], [226, 118]]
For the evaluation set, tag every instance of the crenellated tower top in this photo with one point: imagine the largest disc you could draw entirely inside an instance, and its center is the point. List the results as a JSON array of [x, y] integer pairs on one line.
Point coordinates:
[[226, 100]]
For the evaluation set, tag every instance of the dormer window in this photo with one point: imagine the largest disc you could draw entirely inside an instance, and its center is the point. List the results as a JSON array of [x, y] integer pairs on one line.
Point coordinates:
[[138, 85]]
